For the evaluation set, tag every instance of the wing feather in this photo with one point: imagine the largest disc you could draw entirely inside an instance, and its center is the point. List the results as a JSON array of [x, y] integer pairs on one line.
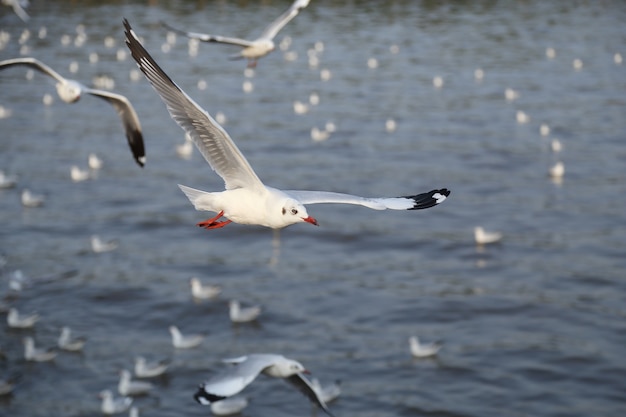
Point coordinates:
[[415, 202]]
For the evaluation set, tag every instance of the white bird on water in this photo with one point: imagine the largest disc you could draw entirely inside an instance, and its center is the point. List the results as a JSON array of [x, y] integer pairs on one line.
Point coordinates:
[[203, 292], [246, 199], [145, 369], [31, 353], [181, 341], [70, 91], [16, 320], [66, 342], [252, 50], [100, 246], [423, 350], [111, 405], [7, 181], [242, 315], [30, 199], [245, 369], [483, 237], [127, 386]]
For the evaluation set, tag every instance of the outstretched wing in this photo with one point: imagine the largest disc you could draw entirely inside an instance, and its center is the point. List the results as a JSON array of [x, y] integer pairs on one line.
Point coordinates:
[[205, 37], [209, 137], [32, 63], [273, 28], [304, 386], [414, 202], [130, 120]]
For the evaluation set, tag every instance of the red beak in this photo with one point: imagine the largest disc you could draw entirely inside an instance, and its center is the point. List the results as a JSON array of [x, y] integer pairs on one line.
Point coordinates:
[[306, 371], [310, 220]]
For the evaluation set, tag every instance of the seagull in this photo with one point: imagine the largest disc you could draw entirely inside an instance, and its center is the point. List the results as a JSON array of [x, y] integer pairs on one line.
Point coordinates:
[[18, 321], [242, 315], [145, 369], [94, 161], [7, 181], [327, 393], [77, 174], [252, 50], [229, 406], [185, 342], [127, 386], [420, 350], [111, 405], [31, 353], [30, 199], [483, 237], [247, 368], [203, 292], [99, 246], [246, 199], [70, 91], [66, 342]]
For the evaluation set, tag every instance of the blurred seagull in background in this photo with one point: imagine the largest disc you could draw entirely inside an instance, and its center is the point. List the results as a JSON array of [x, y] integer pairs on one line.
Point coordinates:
[[30, 199], [245, 370], [252, 50], [145, 369], [185, 342], [66, 342], [111, 405], [99, 246], [242, 315], [19, 321], [423, 350], [482, 237], [31, 353], [203, 292], [127, 386], [70, 91], [246, 199]]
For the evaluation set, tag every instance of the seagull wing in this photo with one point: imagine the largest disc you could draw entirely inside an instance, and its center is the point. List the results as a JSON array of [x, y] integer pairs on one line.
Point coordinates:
[[304, 386], [273, 28], [414, 202], [32, 63], [234, 379], [209, 137], [19, 10], [205, 37], [130, 120]]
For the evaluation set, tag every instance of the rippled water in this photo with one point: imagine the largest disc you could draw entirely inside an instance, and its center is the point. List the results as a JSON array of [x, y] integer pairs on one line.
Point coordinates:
[[534, 325]]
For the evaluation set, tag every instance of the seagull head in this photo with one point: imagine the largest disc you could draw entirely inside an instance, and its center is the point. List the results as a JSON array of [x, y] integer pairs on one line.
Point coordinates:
[[69, 91], [289, 367], [294, 212]]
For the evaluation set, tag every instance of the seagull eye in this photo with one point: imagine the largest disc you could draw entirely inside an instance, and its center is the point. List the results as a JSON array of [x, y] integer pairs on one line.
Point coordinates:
[[294, 211]]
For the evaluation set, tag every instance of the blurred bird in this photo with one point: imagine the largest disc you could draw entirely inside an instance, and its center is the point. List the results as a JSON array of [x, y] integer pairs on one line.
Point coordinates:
[[66, 342], [185, 342], [30, 199], [31, 353], [127, 386], [98, 246], [483, 237], [252, 50], [7, 181], [70, 91], [18, 321], [242, 315], [203, 292], [419, 350], [111, 405], [145, 369]]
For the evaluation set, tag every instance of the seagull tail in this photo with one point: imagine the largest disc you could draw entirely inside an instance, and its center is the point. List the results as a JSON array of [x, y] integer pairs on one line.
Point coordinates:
[[205, 398], [193, 195]]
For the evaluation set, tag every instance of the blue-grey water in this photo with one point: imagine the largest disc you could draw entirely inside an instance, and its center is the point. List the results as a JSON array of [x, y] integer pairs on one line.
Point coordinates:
[[532, 326]]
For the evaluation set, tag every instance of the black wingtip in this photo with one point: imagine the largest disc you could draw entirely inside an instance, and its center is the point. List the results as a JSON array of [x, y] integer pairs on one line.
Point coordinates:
[[205, 398], [429, 199]]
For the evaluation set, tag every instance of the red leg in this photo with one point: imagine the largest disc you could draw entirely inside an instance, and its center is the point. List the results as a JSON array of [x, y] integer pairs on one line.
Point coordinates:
[[212, 223]]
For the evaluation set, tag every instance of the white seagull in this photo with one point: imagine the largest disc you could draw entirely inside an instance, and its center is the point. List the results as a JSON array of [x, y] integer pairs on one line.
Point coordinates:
[[145, 369], [18, 7], [31, 353], [111, 405], [100, 246], [203, 292], [423, 350], [242, 315], [18, 321], [185, 342], [246, 199], [127, 386], [229, 406], [7, 181], [66, 342], [30, 199], [483, 237], [70, 91], [252, 50], [247, 368]]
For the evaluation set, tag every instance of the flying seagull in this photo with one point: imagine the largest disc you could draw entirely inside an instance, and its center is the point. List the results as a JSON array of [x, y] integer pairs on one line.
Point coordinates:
[[70, 91], [246, 199], [246, 368], [252, 50]]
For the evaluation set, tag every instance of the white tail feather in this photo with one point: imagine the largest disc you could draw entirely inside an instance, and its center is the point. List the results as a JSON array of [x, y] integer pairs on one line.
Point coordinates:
[[193, 195]]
